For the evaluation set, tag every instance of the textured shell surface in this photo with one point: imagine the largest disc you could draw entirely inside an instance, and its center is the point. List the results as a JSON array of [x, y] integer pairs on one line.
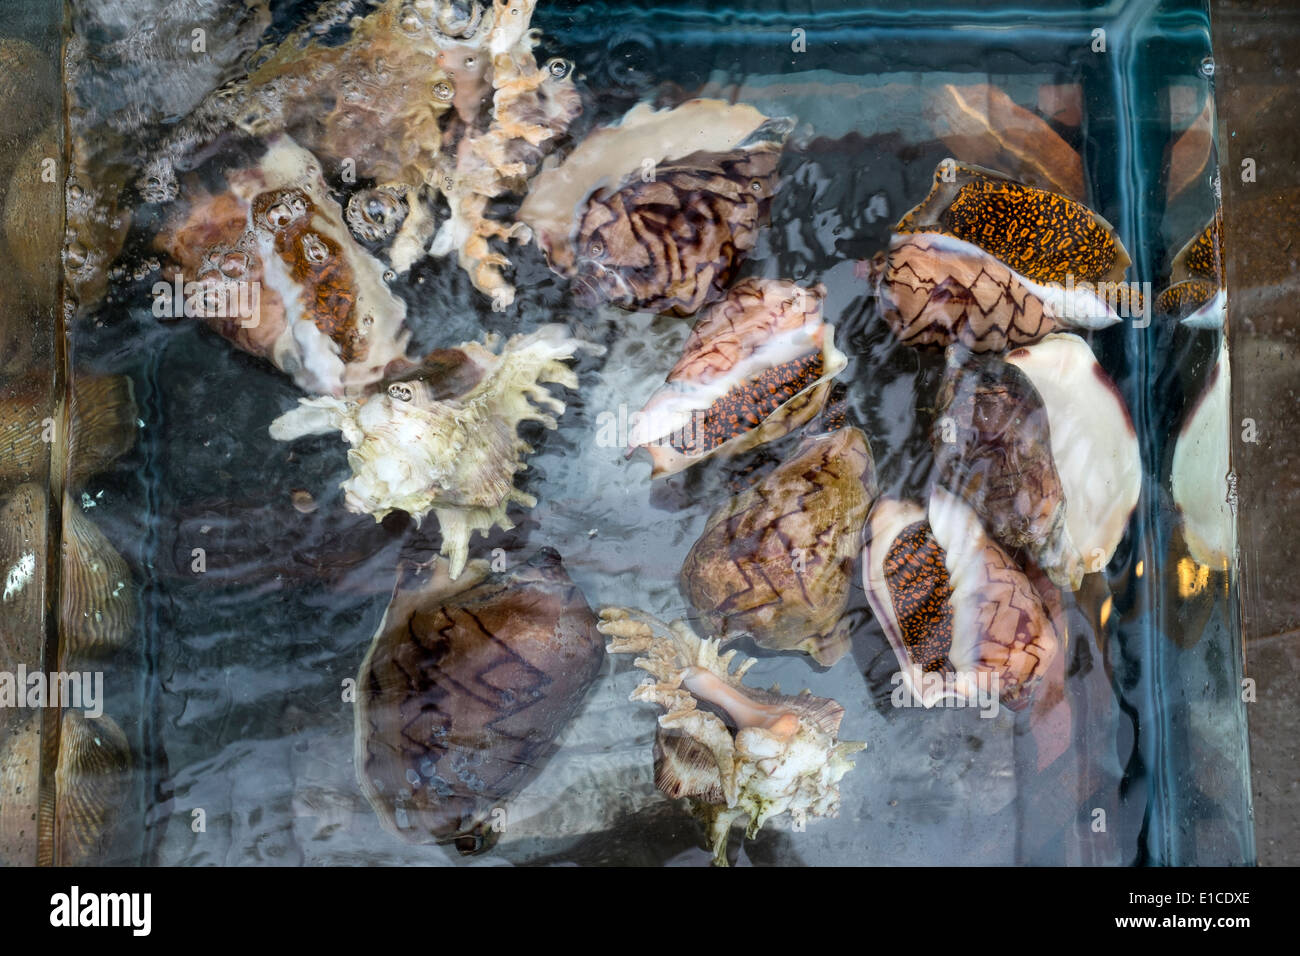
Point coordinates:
[[656, 212], [102, 415], [772, 754], [23, 534], [91, 779], [463, 692], [98, 593], [963, 619], [757, 365], [933, 289], [775, 561], [418, 450], [1094, 444], [992, 447], [1043, 236]]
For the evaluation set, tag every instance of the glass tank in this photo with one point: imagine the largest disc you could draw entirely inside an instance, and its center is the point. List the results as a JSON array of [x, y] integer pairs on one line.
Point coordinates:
[[409, 406]]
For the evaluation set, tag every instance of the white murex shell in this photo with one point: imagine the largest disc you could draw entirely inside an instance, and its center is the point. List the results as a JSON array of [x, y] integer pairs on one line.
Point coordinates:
[[784, 756], [417, 450]]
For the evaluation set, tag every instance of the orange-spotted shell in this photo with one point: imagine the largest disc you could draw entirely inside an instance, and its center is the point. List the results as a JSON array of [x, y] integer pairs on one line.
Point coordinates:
[[1043, 236], [1196, 291]]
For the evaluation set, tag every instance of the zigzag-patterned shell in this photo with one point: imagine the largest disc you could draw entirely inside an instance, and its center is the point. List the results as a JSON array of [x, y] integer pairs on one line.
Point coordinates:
[[774, 562], [463, 692]]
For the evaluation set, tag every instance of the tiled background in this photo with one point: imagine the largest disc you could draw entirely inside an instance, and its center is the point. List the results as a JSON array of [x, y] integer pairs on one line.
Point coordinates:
[[1257, 56]]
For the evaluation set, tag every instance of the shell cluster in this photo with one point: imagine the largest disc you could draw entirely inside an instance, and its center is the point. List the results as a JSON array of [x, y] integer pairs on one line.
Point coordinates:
[[432, 131], [1037, 468]]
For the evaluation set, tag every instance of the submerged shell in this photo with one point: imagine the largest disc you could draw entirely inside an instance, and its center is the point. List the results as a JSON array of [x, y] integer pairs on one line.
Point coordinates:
[[775, 561], [992, 447], [20, 793], [90, 783], [98, 593], [463, 693], [756, 365], [103, 415], [656, 212], [1197, 291], [962, 618], [1200, 472], [1094, 444], [421, 447], [1044, 237], [29, 84], [23, 543], [933, 289], [271, 265], [773, 753], [33, 212]]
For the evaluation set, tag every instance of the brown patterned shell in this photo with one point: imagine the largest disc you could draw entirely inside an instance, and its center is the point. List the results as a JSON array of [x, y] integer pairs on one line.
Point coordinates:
[[91, 782], [933, 293], [982, 124], [992, 447], [673, 244], [952, 602], [757, 365], [98, 593], [1043, 236], [463, 693], [103, 414], [70, 823], [23, 534], [775, 561], [919, 590]]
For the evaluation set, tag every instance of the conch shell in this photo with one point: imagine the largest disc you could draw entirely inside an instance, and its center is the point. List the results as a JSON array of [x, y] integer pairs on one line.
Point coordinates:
[[423, 446], [656, 212], [772, 754], [957, 610], [1200, 468], [992, 447], [322, 312], [757, 365], [1094, 445], [1043, 236], [775, 561], [1197, 294], [463, 692]]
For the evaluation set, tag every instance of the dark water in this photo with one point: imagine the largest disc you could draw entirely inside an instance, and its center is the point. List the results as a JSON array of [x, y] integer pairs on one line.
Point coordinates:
[[231, 692]]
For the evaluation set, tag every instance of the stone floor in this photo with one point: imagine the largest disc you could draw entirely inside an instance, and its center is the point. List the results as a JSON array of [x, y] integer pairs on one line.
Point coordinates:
[[1257, 55]]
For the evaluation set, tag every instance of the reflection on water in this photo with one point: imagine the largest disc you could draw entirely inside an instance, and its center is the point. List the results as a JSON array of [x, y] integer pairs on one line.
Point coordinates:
[[259, 591]]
